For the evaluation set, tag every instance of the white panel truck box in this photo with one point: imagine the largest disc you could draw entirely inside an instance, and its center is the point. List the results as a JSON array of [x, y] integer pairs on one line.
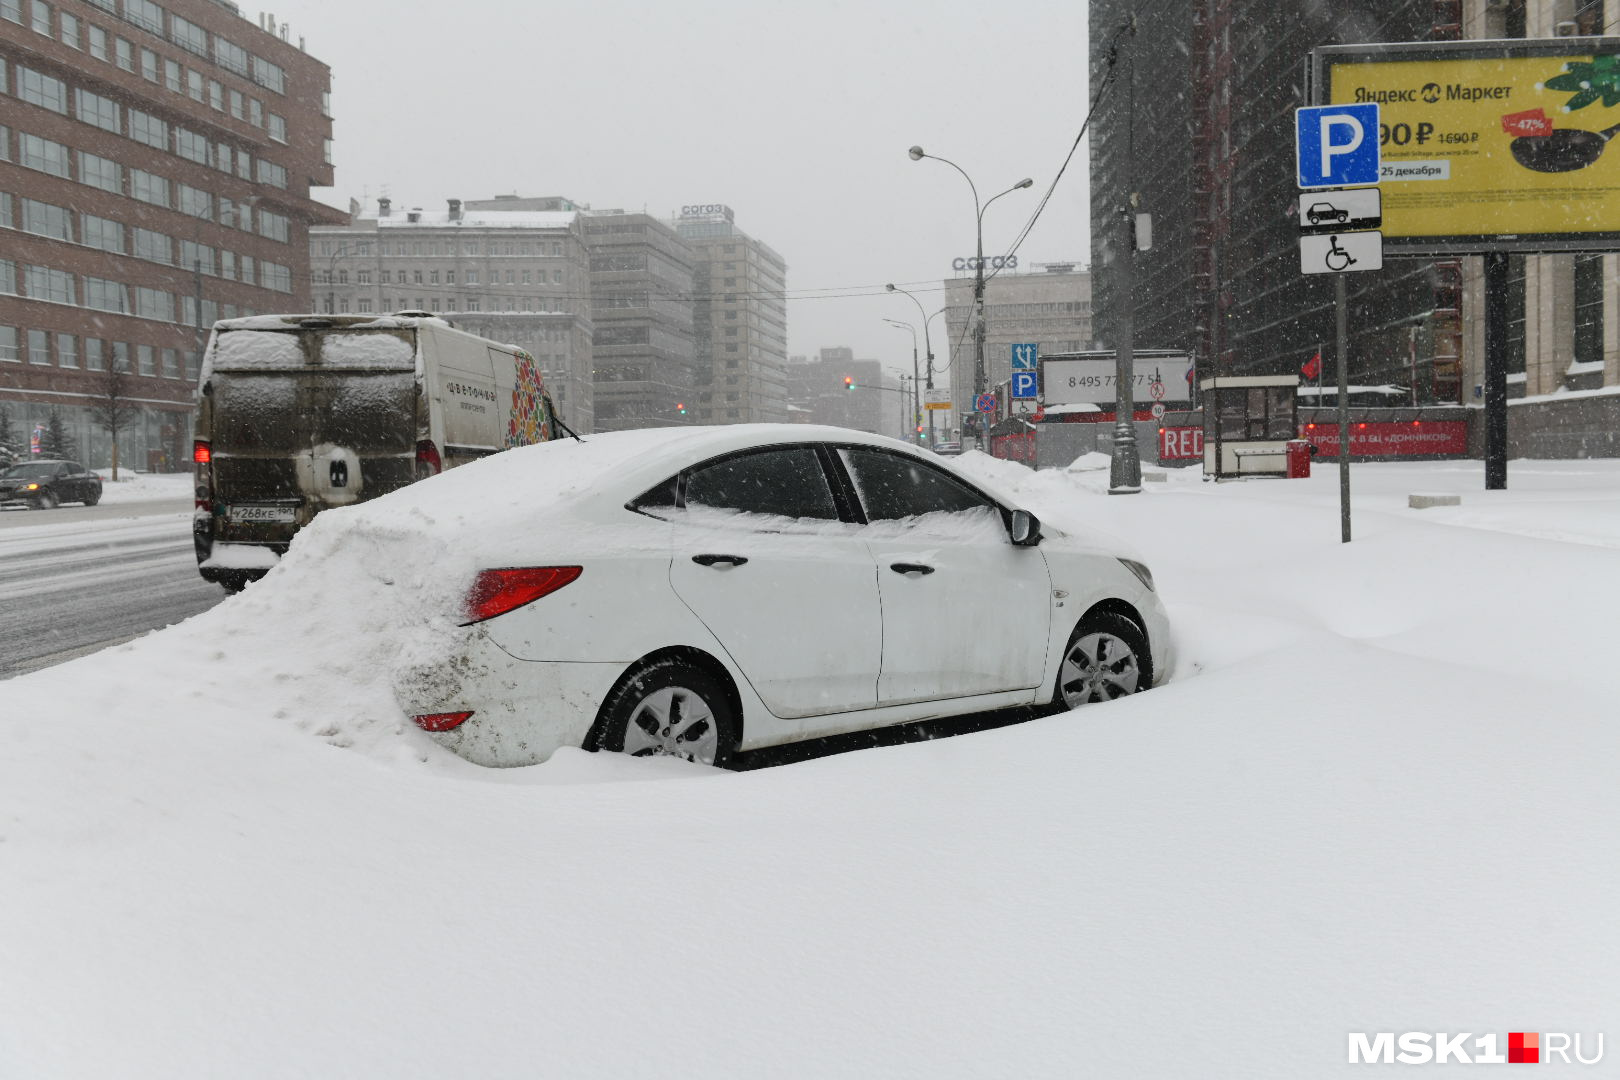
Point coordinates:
[[300, 413]]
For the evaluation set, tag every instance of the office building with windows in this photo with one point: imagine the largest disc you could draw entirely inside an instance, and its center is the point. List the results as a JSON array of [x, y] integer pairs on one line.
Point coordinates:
[[836, 389], [156, 162], [740, 320], [1048, 304], [641, 305], [470, 262]]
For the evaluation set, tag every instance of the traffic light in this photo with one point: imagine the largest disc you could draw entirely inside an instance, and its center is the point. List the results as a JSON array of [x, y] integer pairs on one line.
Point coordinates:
[[680, 407], [849, 382], [920, 434]]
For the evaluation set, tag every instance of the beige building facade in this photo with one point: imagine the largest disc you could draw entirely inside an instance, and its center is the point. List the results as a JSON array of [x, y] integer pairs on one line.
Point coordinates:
[[1048, 305]]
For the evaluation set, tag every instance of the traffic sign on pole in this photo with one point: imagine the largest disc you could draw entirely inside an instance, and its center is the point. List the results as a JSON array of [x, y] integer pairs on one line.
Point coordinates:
[[1336, 145], [1024, 386], [1341, 253], [1347, 210], [985, 403], [1024, 358]]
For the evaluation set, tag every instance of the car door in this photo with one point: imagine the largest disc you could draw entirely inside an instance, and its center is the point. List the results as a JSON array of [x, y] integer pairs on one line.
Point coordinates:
[[762, 557], [965, 612], [75, 483]]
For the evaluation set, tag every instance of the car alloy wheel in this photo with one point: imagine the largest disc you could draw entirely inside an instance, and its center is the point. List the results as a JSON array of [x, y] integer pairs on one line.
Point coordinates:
[[1107, 658], [670, 709], [46, 501]]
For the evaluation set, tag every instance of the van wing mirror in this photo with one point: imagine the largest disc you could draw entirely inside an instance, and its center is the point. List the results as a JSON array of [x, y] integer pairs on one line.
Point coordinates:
[[1025, 529]]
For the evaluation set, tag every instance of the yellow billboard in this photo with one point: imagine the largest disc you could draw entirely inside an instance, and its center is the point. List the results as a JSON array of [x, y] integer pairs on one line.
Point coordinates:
[[1494, 151]]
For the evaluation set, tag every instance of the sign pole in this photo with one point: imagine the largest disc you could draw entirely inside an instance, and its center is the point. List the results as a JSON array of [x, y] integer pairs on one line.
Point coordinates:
[[1125, 464], [1496, 427], [1341, 317]]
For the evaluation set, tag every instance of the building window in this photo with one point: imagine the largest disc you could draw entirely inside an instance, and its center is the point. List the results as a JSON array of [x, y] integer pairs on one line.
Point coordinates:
[[276, 126], [275, 276], [124, 53], [171, 75], [171, 364], [149, 187], [153, 246], [230, 56], [188, 35], [272, 174], [144, 14], [216, 95], [67, 350], [42, 17], [103, 112], [191, 146], [102, 233], [269, 75], [100, 172], [44, 155], [8, 278], [93, 358], [43, 219], [154, 304], [42, 90], [69, 30], [143, 360], [104, 295], [472, 305], [39, 347], [149, 65], [194, 85], [365, 307], [196, 202], [98, 42], [196, 257], [238, 105], [273, 226], [433, 277], [148, 129], [8, 344]]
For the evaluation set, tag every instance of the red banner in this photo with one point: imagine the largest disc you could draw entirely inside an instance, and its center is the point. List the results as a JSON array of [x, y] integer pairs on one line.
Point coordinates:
[[1391, 439]]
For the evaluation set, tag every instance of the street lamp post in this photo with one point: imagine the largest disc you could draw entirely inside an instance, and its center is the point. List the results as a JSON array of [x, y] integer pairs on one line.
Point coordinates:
[[928, 347], [980, 380], [916, 419]]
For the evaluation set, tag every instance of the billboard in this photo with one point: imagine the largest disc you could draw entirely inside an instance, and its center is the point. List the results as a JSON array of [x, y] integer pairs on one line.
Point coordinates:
[[1489, 146], [1088, 379]]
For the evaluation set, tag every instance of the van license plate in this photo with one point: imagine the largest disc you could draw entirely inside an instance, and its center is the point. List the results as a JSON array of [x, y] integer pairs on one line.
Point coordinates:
[[260, 513]]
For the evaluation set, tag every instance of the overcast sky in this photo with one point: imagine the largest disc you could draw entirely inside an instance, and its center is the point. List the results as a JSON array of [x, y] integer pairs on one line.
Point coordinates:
[[798, 116]]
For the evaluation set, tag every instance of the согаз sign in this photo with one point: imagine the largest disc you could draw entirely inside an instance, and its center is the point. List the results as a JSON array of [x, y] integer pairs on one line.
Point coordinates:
[[995, 262]]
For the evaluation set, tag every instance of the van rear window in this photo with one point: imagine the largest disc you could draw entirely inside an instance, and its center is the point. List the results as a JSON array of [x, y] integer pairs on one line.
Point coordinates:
[[376, 349], [257, 349]]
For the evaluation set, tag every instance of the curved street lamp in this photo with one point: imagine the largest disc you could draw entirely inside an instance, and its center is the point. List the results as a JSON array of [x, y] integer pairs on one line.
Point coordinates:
[[928, 346], [979, 377], [916, 410]]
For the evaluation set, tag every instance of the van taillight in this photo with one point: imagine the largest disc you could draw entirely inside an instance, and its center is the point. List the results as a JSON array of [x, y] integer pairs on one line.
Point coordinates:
[[200, 453], [427, 460], [441, 721], [495, 592]]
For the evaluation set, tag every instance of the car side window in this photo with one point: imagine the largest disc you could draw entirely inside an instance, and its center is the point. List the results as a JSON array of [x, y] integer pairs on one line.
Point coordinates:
[[892, 486], [786, 482]]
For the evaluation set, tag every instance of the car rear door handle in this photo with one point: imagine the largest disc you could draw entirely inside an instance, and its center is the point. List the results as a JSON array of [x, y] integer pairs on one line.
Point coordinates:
[[710, 560], [910, 568]]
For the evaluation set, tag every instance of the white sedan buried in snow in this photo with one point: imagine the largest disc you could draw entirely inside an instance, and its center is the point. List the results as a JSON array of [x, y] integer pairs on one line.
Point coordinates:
[[705, 591]]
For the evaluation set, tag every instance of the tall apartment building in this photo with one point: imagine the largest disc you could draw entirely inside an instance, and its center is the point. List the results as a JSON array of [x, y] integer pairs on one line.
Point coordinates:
[[740, 320], [1049, 305], [155, 168], [509, 264], [642, 307]]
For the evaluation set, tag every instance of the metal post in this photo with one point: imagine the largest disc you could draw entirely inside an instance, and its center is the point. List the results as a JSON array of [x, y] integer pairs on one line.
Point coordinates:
[[1496, 427], [1342, 318], [1125, 465], [979, 378]]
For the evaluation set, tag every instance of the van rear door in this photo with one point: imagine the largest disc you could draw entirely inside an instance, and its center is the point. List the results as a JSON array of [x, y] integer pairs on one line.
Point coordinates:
[[308, 419]]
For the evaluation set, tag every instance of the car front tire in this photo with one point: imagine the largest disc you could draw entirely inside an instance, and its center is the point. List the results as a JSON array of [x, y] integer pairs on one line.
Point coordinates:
[[1106, 658], [670, 708], [47, 501]]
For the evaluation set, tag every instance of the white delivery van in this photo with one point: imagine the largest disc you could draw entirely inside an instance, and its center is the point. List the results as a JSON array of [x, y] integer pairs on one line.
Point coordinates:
[[299, 413]]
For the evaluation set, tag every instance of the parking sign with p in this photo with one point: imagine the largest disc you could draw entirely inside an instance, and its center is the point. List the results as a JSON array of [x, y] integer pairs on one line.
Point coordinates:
[[1337, 145]]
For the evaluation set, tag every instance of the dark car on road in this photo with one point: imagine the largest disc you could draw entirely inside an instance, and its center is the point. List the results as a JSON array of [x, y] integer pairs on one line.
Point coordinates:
[[44, 484]]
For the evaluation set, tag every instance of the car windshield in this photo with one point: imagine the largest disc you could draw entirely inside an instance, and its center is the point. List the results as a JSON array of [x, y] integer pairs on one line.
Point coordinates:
[[32, 469]]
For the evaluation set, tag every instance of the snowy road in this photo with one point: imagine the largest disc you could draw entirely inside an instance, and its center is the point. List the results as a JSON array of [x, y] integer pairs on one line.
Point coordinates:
[[78, 579]]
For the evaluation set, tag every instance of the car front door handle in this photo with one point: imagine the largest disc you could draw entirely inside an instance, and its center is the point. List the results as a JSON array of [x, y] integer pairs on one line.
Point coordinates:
[[910, 568], [710, 560]]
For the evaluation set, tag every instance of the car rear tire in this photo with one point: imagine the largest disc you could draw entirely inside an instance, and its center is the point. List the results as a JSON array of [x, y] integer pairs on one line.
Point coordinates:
[[92, 498], [670, 708], [1106, 658]]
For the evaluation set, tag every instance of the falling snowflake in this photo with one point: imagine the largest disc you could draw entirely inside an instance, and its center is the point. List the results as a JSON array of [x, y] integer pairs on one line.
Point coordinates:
[[1588, 83]]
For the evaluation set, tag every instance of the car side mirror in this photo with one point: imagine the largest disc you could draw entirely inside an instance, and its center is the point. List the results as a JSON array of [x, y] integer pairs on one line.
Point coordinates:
[[1025, 529]]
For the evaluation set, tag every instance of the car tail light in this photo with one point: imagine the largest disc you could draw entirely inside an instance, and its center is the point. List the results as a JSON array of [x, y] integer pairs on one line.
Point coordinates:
[[427, 460], [495, 592], [442, 721], [201, 453]]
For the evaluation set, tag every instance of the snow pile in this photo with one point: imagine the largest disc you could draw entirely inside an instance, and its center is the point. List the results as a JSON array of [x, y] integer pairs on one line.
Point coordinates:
[[1379, 794]]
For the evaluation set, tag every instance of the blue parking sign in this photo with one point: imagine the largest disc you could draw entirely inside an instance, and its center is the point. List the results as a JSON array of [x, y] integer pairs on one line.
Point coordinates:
[[1336, 145], [1023, 385]]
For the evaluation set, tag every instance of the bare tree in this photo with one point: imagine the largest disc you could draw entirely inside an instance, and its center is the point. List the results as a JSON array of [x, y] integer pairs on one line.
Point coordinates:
[[111, 405]]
